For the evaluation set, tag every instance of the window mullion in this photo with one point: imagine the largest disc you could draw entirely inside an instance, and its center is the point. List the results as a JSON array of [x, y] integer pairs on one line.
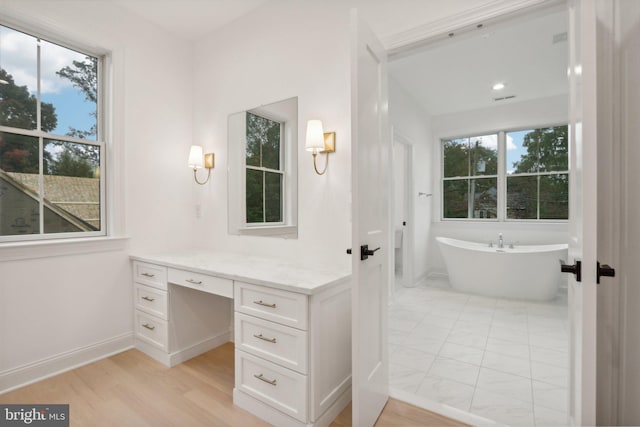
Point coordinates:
[[38, 87], [502, 176], [264, 196], [538, 197], [40, 138]]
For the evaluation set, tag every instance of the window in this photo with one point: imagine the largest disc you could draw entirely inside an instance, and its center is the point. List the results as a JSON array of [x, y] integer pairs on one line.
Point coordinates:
[[470, 183], [51, 145], [531, 183], [264, 174], [538, 174]]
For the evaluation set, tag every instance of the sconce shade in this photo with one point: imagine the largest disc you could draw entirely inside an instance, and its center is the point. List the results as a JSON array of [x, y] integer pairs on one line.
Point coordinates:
[[315, 136], [196, 157]]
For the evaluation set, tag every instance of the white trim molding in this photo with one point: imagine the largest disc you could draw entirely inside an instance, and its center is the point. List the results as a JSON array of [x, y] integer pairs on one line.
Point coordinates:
[[402, 42], [61, 247], [12, 379]]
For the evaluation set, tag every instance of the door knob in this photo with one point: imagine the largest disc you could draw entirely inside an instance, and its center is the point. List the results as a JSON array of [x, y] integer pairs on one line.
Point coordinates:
[[365, 252], [605, 270], [573, 269]]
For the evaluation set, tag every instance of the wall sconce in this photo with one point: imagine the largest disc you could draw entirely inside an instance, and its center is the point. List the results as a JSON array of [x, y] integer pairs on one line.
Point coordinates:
[[317, 141], [197, 160]]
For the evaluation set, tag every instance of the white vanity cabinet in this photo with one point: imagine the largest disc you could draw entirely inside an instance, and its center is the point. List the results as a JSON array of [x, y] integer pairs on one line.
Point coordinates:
[[151, 305], [293, 353], [175, 323], [291, 327]]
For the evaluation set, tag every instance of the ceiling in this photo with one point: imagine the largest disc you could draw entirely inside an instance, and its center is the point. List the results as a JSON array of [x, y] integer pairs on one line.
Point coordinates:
[[454, 75], [190, 19], [458, 73]]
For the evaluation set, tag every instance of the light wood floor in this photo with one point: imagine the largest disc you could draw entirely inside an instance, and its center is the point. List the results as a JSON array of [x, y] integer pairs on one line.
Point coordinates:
[[131, 389]]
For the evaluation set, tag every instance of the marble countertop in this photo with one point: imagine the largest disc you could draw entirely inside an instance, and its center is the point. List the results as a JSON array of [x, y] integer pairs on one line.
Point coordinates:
[[273, 272]]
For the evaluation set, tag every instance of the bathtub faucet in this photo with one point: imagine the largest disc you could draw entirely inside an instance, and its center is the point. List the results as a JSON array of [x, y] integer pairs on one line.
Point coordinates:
[[500, 241]]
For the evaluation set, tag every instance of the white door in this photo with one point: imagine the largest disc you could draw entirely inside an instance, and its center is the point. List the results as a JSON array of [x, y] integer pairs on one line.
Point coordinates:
[[371, 154], [583, 207]]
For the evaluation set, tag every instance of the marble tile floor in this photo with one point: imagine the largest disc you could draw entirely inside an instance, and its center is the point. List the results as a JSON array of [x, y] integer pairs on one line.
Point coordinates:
[[499, 359]]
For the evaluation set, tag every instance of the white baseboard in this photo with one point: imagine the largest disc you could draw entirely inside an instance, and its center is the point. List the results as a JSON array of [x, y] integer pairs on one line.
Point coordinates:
[[21, 376], [442, 409], [199, 348], [177, 357]]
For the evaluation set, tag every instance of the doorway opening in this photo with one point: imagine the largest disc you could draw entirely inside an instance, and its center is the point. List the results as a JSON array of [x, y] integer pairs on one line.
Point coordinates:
[[402, 211], [481, 357]]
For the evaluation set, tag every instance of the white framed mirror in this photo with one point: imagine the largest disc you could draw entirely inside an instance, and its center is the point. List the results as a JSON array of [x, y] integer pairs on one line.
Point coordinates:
[[263, 170]]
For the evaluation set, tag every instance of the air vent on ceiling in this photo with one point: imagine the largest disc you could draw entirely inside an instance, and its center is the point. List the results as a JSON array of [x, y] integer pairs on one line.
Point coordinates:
[[504, 98], [560, 37]]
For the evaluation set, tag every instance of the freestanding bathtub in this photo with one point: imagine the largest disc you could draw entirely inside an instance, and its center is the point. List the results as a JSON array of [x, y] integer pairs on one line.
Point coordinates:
[[523, 272]]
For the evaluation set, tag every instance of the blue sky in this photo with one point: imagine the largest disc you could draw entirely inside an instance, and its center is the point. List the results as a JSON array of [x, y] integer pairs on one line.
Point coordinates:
[[19, 53], [515, 150], [72, 110]]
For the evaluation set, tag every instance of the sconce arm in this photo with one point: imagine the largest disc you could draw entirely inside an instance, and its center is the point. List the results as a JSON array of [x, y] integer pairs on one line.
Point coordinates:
[[326, 163], [195, 176]]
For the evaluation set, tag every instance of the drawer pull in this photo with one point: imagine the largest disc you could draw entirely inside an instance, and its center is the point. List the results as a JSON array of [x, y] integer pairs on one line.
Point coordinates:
[[146, 298], [273, 340], [262, 378], [194, 282], [146, 325], [265, 304], [148, 275]]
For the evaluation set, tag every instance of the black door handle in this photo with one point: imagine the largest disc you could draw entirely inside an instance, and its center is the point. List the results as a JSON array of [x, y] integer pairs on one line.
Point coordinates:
[[574, 269], [605, 270], [365, 252]]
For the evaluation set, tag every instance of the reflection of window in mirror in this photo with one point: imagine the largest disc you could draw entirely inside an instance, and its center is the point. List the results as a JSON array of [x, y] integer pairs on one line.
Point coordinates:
[[263, 170]]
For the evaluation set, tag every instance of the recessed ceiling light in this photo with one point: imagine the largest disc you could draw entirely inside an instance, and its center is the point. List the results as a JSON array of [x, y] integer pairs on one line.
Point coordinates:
[[498, 86]]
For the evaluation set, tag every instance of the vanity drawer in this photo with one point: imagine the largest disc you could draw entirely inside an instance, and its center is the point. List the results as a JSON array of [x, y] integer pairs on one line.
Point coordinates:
[[202, 282], [278, 387], [150, 274], [151, 300], [280, 344], [287, 308], [152, 330]]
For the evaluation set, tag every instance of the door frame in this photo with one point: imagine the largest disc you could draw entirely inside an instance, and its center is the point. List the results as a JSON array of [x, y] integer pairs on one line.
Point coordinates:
[[610, 307], [609, 354], [406, 42], [408, 238]]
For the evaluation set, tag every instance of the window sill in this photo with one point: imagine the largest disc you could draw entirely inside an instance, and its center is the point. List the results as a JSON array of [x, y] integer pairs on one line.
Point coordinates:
[[284, 231], [62, 247]]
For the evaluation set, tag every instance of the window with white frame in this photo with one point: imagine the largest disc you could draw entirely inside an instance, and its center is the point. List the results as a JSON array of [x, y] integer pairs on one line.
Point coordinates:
[[262, 170], [470, 180], [514, 175], [52, 149], [537, 174]]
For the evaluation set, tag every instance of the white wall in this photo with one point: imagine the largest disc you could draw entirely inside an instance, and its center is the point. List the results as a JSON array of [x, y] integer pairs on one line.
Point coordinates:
[[169, 93], [279, 51], [57, 310], [408, 118], [520, 115]]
